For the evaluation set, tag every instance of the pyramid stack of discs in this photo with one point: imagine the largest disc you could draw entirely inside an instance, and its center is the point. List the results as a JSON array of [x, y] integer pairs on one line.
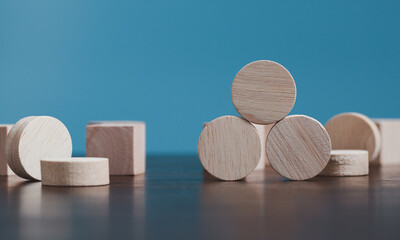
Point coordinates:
[[263, 92]]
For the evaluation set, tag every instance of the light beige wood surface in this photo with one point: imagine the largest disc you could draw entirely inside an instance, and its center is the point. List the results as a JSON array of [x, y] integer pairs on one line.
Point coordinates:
[[263, 92], [298, 147], [75, 171], [34, 138], [5, 170], [229, 148], [122, 142], [390, 147], [263, 133], [347, 163], [354, 131]]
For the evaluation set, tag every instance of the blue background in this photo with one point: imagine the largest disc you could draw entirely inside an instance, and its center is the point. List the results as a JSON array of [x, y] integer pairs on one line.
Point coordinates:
[[171, 63]]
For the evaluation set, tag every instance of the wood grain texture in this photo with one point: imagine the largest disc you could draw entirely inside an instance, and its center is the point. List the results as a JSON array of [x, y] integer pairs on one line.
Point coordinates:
[[263, 92], [263, 131], [298, 147], [229, 148], [34, 138], [5, 170], [347, 163], [75, 171], [354, 131], [122, 142], [390, 147]]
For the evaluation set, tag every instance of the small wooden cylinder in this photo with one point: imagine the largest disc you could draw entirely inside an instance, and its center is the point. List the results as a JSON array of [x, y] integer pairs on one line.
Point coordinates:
[[347, 163], [75, 171]]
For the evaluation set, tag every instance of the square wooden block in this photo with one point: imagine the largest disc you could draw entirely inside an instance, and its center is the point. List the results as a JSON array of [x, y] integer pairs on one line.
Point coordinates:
[[4, 168], [123, 143], [390, 148]]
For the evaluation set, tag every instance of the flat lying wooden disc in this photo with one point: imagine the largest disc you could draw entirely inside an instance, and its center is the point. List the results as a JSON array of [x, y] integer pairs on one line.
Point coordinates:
[[298, 147], [263, 92], [75, 171], [229, 148], [347, 163], [34, 138], [354, 131]]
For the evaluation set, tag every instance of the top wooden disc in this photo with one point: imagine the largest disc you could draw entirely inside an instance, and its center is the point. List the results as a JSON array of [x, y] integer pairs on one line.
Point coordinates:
[[298, 147], [229, 148], [263, 92], [36, 138], [354, 131]]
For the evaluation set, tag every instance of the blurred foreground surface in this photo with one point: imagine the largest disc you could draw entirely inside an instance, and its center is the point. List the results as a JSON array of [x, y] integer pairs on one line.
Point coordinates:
[[176, 200]]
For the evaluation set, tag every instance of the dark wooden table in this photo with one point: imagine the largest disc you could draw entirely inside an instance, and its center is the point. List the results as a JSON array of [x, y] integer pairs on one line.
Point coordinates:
[[176, 200]]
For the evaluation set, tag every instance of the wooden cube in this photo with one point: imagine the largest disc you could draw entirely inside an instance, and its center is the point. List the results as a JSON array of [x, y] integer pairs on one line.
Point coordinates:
[[4, 168], [390, 148], [123, 143]]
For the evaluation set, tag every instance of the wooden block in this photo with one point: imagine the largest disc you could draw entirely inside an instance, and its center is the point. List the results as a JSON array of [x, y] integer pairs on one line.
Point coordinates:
[[75, 171], [263, 131], [263, 92], [390, 146], [229, 148], [347, 163], [354, 131], [123, 143], [298, 147], [34, 138], [5, 170]]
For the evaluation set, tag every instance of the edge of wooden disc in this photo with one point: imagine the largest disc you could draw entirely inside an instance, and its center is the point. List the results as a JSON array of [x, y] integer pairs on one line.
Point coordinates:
[[347, 162], [75, 171], [374, 129], [229, 148]]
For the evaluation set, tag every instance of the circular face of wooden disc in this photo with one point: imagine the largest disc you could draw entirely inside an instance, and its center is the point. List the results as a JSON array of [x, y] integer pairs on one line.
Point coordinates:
[[354, 131], [298, 147], [229, 148], [83, 171], [263, 92], [347, 163], [42, 137]]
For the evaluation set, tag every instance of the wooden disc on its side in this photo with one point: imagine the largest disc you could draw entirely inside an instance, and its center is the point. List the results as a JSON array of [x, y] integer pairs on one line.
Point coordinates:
[[38, 138], [229, 148], [85, 171], [347, 163], [263, 92], [354, 131], [298, 147]]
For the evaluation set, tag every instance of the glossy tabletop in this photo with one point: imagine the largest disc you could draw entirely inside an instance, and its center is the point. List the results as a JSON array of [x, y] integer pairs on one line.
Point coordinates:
[[175, 199]]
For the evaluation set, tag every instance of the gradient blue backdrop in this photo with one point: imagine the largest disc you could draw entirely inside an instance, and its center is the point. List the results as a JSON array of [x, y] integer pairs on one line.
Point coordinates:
[[171, 63]]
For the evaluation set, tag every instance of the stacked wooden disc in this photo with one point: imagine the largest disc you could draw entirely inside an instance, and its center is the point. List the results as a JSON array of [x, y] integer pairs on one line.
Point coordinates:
[[32, 139]]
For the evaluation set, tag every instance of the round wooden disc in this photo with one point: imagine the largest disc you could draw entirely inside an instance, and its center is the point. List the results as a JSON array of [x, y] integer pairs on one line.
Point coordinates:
[[298, 147], [84, 171], [347, 163], [38, 138], [354, 131], [229, 148], [263, 92]]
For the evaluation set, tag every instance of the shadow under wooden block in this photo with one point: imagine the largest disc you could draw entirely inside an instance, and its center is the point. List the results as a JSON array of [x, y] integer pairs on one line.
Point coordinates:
[[122, 142], [390, 148], [4, 168]]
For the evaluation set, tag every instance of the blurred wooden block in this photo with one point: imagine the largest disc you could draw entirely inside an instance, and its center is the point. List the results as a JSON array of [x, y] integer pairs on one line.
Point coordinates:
[[390, 148], [123, 143], [229, 148], [5, 170], [354, 131], [75, 171], [347, 163], [263, 92], [33, 138], [298, 147]]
